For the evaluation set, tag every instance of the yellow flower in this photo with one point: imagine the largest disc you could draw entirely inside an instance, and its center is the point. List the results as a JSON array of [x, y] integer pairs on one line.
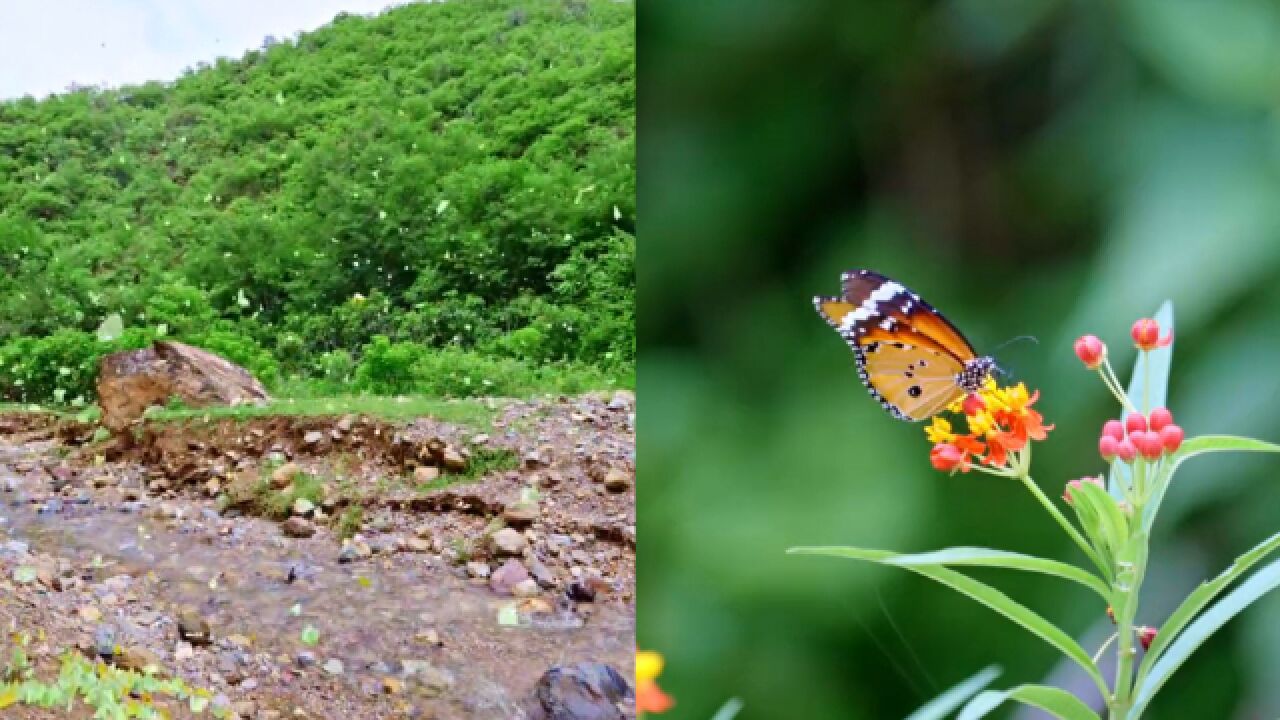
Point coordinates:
[[939, 431], [648, 665]]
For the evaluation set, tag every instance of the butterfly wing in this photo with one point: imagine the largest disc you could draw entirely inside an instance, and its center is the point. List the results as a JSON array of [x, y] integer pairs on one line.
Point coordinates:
[[908, 354]]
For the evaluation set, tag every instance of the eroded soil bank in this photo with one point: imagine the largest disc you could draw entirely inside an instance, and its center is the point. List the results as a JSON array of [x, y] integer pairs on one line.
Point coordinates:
[[441, 569]]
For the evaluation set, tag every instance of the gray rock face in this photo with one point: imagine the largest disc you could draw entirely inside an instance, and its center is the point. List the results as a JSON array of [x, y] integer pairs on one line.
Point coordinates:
[[585, 691]]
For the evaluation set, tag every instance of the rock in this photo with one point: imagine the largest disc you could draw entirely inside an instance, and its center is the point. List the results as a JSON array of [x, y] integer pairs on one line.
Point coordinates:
[[131, 381], [505, 579], [508, 542], [622, 400], [345, 423], [303, 507], [245, 708], [333, 666], [282, 477], [453, 460], [520, 515], [478, 569], [526, 588], [305, 659], [90, 614], [104, 640], [183, 651], [434, 680], [417, 545], [423, 531], [425, 474], [585, 691], [392, 686], [139, 660], [541, 573], [297, 527], [313, 437], [354, 549], [616, 481], [193, 628]]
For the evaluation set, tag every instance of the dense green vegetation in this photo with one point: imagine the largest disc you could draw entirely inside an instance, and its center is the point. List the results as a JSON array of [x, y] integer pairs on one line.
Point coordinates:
[[440, 199]]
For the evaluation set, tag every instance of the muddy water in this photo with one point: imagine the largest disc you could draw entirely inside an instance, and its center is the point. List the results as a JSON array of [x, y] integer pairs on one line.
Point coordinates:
[[373, 616]]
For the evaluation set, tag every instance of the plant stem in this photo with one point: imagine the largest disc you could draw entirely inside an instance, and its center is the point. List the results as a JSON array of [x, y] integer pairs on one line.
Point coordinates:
[[1122, 696], [1064, 522]]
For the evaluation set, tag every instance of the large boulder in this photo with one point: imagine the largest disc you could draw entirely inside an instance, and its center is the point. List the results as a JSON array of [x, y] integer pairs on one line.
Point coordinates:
[[131, 381]]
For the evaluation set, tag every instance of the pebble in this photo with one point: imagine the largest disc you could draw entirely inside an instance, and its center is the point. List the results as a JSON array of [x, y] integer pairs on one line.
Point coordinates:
[[520, 515], [508, 541], [298, 527], [305, 658], [333, 666], [313, 437], [426, 474], [193, 628], [478, 569], [282, 477], [303, 507], [505, 579], [616, 481]]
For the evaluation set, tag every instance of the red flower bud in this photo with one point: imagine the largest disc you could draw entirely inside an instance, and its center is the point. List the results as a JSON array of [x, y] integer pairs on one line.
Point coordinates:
[[1148, 444], [946, 457], [1108, 447], [1146, 335], [1126, 451], [1066, 492], [1160, 417], [1135, 423], [1091, 351], [1146, 635], [1113, 429], [1171, 437], [973, 404], [1111, 615]]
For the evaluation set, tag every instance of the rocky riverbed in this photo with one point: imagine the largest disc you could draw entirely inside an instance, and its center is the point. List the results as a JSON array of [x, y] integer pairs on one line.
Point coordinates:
[[340, 566]]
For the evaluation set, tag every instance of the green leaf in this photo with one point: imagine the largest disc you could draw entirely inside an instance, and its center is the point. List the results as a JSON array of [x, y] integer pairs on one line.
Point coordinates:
[[729, 710], [1159, 361], [941, 706], [987, 557], [1199, 446], [111, 328], [1159, 664], [984, 594], [1055, 701], [310, 635]]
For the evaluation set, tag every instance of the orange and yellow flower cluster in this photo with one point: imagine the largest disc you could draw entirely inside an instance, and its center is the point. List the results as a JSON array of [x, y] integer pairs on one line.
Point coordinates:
[[649, 697], [1000, 422]]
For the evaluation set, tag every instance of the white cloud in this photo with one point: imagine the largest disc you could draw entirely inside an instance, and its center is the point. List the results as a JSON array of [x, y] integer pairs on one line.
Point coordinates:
[[47, 45]]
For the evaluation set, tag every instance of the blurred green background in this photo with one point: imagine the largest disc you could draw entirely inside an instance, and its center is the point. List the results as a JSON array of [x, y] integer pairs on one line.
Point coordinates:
[[1036, 167]]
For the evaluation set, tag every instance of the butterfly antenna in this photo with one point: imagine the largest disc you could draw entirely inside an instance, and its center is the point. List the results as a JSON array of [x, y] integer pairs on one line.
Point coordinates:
[[1011, 341]]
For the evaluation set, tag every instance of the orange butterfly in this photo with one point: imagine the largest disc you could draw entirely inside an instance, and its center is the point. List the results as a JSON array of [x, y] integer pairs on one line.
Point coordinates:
[[909, 356]]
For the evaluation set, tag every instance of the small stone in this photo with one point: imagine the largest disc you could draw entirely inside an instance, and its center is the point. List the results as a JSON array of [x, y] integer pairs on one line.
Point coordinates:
[[425, 474], [478, 569], [193, 628], [480, 439], [104, 640], [213, 487], [138, 660], [90, 614], [453, 460], [423, 531], [245, 708], [429, 637], [526, 588], [616, 481], [305, 659], [586, 690], [313, 437], [297, 527], [505, 579], [508, 542], [541, 573], [183, 651], [303, 507], [333, 666], [417, 545], [392, 686], [520, 515], [283, 476], [622, 400]]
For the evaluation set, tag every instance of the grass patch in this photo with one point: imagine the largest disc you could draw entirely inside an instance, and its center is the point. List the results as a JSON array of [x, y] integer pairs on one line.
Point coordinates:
[[469, 412], [350, 521], [484, 460], [111, 691]]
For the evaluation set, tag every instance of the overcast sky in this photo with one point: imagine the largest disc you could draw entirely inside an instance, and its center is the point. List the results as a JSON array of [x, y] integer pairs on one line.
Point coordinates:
[[45, 45]]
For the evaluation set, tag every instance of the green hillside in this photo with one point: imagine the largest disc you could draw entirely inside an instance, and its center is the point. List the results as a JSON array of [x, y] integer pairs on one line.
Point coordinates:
[[439, 199]]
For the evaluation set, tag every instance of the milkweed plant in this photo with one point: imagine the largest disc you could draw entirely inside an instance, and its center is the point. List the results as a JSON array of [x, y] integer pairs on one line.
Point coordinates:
[[1113, 518]]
